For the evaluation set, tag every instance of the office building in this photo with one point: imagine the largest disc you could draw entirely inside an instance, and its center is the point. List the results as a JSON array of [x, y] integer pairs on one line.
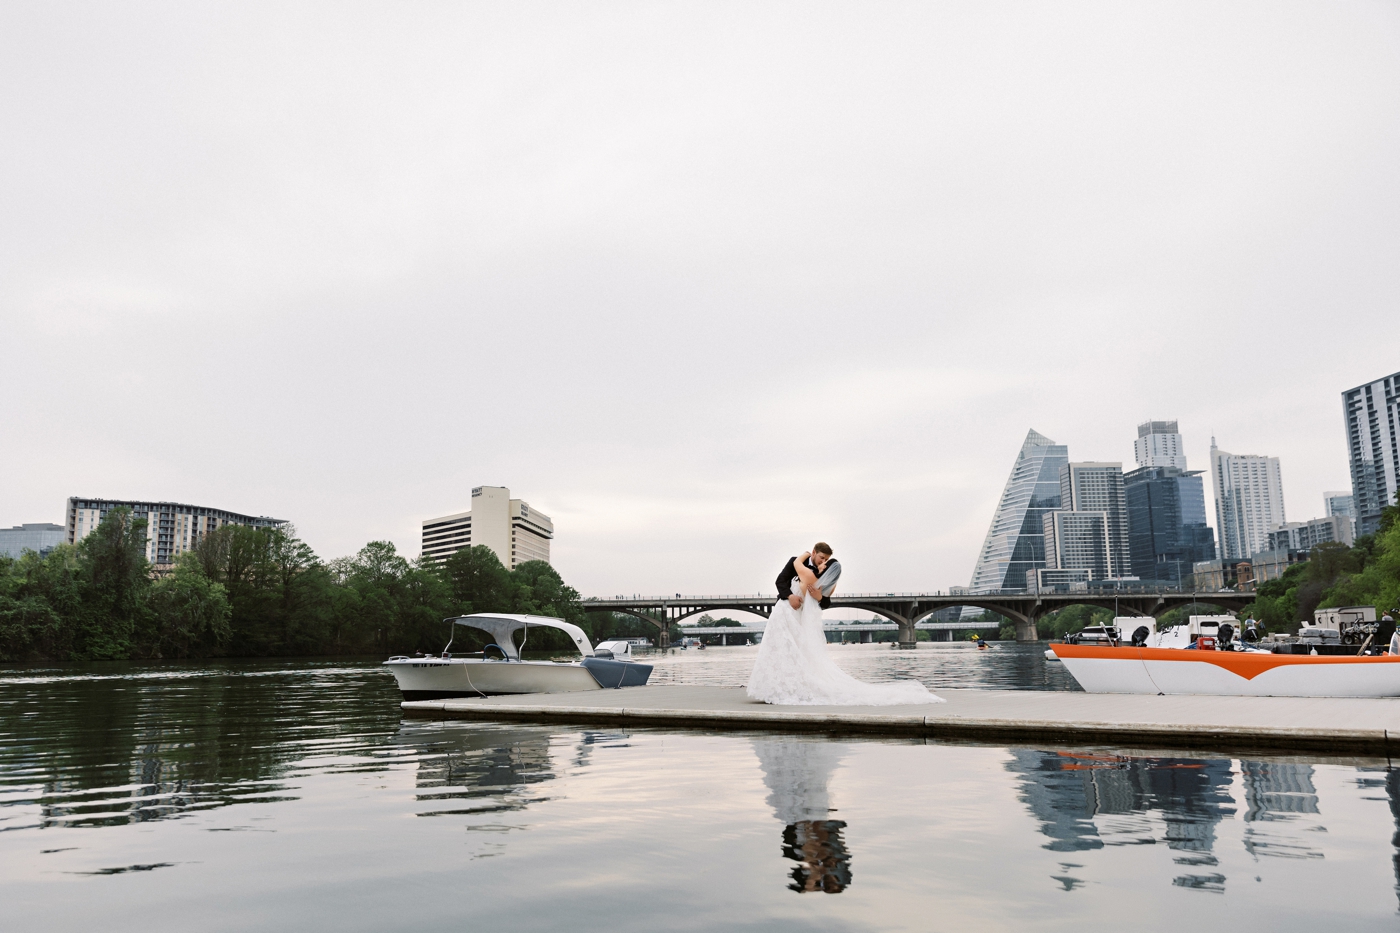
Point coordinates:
[[39, 537], [1015, 541], [1303, 536], [1248, 501], [172, 528], [1339, 503], [1098, 487], [1167, 530], [1158, 444], [1373, 443], [1078, 541], [1266, 566], [1054, 580], [516, 532]]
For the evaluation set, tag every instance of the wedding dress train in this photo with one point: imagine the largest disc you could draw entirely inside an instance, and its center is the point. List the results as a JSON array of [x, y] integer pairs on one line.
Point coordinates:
[[794, 667]]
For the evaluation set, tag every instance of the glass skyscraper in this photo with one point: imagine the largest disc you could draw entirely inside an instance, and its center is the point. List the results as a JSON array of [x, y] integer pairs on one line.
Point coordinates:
[[1167, 530], [1015, 541]]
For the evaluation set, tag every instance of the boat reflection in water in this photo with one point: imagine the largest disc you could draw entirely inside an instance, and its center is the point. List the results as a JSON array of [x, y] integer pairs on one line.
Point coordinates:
[[471, 770], [796, 772]]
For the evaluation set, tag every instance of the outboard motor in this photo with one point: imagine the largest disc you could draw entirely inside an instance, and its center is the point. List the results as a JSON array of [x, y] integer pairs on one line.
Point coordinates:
[[1140, 635], [1226, 635]]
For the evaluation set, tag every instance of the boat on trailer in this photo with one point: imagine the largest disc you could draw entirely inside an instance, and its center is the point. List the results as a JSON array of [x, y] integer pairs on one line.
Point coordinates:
[[482, 674]]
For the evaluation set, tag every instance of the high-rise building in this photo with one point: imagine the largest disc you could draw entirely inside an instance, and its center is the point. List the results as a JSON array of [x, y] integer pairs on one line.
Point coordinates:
[[39, 537], [516, 532], [1098, 487], [1372, 413], [1248, 501], [1337, 502], [171, 527], [1078, 541], [1303, 536], [1167, 530], [1158, 444], [1015, 540]]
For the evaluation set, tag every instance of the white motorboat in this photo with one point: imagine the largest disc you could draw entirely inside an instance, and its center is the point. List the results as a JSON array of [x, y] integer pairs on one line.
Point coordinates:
[[1210, 671], [482, 674]]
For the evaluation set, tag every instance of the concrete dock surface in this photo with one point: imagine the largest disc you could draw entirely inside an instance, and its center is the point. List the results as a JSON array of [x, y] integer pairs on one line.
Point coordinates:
[[1339, 725]]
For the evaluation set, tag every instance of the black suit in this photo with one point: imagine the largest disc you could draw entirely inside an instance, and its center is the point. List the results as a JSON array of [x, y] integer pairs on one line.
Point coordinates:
[[790, 573]]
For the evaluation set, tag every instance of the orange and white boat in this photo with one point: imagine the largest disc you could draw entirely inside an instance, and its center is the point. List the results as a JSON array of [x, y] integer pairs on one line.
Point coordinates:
[[1173, 671]]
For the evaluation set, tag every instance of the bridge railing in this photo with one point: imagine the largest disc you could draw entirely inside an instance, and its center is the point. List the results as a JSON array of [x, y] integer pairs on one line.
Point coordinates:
[[1125, 590]]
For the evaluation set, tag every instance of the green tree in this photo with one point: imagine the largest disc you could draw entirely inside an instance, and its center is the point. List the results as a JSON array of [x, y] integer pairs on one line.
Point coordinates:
[[537, 589], [478, 581], [115, 577], [1071, 619], [190, 613]]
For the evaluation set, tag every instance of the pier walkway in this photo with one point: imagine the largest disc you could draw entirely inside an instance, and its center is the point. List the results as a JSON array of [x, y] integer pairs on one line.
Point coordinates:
[[1338, 725]]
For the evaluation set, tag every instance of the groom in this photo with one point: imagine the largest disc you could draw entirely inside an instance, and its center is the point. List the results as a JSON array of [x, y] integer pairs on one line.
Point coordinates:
[[821, 563]]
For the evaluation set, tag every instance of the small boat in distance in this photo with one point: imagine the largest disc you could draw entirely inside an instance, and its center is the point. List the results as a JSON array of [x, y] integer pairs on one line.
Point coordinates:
[[499, 669]]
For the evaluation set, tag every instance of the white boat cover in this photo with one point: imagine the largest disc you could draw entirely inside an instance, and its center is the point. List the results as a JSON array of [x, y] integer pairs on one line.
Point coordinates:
[[501, 626]]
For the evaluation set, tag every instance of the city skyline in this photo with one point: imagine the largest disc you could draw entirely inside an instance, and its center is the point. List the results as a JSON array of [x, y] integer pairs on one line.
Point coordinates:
[[1148, 448], [620, 264]]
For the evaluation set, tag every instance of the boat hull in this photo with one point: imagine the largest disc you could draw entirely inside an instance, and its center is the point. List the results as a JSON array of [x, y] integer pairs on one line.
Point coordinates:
[[443, 678], [1228, 673]]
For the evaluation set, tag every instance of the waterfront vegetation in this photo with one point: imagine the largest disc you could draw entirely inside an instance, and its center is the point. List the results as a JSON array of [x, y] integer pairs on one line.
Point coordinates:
[[244, 592], [1365, 574]]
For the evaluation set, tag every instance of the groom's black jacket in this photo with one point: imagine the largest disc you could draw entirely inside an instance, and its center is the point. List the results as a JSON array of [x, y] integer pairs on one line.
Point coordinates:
[[790, 572]]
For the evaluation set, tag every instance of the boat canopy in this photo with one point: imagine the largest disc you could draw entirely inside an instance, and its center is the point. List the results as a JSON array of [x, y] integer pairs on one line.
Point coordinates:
[[501, 626]]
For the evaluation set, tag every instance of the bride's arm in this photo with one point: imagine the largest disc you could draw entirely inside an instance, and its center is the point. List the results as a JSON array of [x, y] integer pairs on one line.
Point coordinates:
[[803, 573], [808, 578]]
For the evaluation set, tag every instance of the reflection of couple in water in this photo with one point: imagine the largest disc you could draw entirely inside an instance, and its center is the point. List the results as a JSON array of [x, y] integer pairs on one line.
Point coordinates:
[[794, 666], [797, 772]]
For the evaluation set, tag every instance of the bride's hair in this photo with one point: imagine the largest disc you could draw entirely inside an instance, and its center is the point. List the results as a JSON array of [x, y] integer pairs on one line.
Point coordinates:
[[821, 547]]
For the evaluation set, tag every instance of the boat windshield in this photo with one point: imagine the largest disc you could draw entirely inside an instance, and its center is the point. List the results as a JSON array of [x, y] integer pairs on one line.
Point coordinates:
[[502, 628]]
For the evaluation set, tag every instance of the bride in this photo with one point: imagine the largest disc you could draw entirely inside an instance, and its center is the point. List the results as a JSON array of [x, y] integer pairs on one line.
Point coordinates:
[[794, 667]]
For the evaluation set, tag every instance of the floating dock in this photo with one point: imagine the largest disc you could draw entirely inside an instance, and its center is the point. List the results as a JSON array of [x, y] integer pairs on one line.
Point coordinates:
[[1338, 725]]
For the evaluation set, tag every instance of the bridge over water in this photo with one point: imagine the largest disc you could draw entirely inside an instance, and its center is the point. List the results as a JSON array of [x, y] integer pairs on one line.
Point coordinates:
[[907, 610]]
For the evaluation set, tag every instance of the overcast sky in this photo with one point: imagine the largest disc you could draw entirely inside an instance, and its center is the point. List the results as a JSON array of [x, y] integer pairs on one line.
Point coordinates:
[[703, 282]]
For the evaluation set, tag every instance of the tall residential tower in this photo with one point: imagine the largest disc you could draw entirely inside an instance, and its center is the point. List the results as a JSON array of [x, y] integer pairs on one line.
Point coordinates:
[[1098, 487], [1248, 501], [1158, 444], [1372, 414]]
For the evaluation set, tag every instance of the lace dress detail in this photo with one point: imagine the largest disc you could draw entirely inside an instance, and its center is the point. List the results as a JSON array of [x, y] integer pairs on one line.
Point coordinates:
[[795, 669]]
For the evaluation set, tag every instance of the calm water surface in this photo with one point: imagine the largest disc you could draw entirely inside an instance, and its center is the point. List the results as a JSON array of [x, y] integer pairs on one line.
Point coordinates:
[[1005, 667], [291, 795]]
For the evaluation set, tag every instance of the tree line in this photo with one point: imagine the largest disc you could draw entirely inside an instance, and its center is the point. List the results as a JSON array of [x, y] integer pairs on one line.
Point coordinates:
[[246, 592], [1365, 574]]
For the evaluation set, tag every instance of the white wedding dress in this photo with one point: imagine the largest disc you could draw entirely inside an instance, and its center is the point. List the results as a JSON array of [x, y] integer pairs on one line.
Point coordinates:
[[795, 669]]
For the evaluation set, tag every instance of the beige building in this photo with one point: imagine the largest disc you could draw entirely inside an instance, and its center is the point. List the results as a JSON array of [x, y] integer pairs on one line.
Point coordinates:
[[172, 528], [516, 532]]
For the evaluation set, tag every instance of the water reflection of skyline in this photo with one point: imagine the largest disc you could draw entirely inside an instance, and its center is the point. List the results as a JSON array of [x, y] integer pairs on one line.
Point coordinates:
[[797, 772], [1086, 801]]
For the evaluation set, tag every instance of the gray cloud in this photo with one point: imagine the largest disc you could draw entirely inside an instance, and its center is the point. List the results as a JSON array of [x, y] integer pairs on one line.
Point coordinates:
[[703, 282]]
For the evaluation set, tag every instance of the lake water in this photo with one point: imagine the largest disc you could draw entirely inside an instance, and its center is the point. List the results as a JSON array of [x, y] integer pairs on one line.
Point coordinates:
[[291, 795]]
